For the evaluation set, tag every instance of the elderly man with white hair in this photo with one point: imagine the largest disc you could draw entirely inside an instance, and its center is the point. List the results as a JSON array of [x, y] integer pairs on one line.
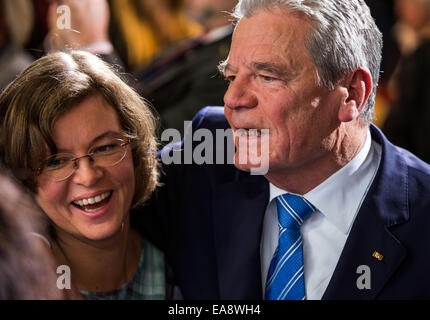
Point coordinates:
[[340, 213]]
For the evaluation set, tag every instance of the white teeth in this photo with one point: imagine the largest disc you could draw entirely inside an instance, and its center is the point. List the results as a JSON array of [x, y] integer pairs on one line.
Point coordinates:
[[251, 132], [97, 199]]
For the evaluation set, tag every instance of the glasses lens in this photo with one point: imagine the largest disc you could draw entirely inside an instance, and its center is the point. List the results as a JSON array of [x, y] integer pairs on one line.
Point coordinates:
[[58, 166], [109, 153]]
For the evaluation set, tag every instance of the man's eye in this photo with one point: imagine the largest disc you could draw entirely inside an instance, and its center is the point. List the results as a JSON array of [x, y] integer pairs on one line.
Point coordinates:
[[267, 78], [230, 78]]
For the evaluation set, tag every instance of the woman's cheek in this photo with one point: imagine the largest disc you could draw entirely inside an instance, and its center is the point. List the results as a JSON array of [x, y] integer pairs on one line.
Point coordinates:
[[51, 197]]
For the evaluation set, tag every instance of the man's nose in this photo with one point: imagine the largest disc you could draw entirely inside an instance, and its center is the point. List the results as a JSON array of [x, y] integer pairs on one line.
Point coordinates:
[[86, 172], [239, 95]]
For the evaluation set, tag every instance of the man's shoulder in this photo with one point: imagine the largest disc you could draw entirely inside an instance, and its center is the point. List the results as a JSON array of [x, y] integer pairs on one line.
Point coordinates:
[[397, 155], [416, 173], [211, 117], [416, 166], [401, 172], [418, 178]]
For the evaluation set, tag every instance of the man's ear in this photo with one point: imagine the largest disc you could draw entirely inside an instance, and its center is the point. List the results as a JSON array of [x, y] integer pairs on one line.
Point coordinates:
[[357, 85]]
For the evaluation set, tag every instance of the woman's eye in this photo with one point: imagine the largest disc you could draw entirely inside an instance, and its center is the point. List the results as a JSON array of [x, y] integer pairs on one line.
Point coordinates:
[[56, 162], [106, 148]]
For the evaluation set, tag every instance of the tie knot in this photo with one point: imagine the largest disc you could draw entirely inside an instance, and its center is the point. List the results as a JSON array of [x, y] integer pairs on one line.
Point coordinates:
[[293, 210]]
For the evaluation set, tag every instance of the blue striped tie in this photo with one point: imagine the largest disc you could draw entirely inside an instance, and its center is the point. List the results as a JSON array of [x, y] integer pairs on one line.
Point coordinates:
[[285, 279]]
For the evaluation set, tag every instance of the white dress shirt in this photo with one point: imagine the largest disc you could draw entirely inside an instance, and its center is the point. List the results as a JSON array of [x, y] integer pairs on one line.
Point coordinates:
[[338, 200]]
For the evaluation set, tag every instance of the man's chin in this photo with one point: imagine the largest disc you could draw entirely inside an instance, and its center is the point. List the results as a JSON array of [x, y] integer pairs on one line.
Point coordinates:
[[242, 167], [254, 169]]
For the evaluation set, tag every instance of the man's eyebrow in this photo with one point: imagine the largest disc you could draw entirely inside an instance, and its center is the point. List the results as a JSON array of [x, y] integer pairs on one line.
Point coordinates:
[[270, 67], [224, 66], [280, 71]]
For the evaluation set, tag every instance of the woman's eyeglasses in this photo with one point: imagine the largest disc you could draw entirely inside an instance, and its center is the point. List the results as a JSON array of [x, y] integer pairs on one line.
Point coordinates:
[[107, 153]]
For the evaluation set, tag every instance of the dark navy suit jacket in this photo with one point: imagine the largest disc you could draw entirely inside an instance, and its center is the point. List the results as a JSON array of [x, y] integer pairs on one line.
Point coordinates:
[[208, 218]]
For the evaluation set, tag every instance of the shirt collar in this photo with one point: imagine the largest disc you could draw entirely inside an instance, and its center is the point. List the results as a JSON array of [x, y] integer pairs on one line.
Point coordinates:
[[339, 197]]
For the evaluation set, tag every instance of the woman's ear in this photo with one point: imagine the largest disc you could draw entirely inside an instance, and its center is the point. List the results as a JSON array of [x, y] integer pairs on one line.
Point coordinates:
[[357, 85]]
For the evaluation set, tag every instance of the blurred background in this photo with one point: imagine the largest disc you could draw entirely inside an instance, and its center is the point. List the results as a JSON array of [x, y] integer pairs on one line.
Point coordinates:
[[168, 50]]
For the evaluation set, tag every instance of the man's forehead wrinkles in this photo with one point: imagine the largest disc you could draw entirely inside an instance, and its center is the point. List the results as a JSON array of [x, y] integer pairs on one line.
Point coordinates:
[[264, 55], [282, 69]]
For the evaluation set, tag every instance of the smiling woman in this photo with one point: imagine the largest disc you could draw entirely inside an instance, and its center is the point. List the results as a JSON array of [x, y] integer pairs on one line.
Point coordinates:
[[83, 143]]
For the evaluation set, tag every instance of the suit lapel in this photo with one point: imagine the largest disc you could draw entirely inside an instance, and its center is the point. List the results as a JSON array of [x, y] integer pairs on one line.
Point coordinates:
[[367, 236], [238, 219], [385, 206]]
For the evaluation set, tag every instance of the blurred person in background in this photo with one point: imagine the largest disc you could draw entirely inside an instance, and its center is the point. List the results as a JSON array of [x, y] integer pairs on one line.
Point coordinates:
[[89, 29], [182, 80], [407, 124], [35, 44], [140, 29], [210, 14], [27, 269], [16, 22], [412, 23]]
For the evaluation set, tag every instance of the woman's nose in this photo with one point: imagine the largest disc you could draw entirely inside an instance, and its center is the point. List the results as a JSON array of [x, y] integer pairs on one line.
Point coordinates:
[[86, 172]]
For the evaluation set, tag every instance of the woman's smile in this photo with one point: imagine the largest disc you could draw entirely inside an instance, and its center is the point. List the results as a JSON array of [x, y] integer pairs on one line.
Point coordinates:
[[94, 206]]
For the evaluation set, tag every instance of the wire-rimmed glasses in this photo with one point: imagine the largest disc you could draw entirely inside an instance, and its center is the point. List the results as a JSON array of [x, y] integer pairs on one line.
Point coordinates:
[[107, 153]]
